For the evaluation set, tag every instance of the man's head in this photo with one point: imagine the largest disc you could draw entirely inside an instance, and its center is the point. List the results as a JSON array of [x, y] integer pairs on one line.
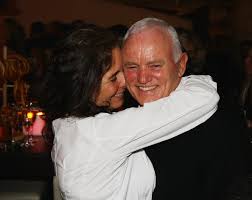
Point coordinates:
[[153, 62]]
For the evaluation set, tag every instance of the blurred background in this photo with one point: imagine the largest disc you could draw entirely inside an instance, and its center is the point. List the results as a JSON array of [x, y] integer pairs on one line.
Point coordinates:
[[216, 34]]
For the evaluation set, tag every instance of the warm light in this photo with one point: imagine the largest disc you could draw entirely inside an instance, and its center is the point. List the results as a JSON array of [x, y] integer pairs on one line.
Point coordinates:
[[40, 113], [38, 124], [29, 115]]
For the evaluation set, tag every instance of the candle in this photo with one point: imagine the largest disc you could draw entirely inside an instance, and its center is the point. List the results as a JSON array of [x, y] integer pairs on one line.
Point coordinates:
[[38, 124]]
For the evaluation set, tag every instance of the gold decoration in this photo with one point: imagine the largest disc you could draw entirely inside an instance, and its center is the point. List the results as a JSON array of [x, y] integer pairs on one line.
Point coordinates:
[[13, 70]]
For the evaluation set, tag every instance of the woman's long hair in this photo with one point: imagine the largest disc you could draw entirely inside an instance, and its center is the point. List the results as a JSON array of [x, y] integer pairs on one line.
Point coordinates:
[[74, 74]]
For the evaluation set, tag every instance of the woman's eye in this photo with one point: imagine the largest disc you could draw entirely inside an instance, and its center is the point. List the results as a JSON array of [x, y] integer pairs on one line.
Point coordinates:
[[113, 79]]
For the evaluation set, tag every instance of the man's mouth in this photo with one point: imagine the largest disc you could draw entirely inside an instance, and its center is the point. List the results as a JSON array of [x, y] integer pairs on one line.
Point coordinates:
[[146, 88]]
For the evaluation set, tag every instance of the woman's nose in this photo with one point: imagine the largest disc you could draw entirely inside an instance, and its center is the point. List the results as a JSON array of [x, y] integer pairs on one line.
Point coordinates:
[[121, 79]]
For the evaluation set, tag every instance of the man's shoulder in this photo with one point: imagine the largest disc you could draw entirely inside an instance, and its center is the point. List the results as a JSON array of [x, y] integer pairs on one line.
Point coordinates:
[[224, 123], [224, 119]]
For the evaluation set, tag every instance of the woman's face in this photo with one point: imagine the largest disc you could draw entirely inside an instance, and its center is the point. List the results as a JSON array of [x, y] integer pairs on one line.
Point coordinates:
[[112, 88]]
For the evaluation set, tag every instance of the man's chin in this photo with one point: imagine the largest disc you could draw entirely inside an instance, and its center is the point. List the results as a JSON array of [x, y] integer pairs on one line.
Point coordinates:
[[147, 100]]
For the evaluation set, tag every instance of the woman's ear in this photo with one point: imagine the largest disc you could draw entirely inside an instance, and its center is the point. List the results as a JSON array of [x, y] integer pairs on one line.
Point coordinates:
[[182, 64]]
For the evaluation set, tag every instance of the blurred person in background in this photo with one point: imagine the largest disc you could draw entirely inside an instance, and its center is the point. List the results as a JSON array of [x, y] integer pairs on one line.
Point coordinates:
[[246, 90], [15, 36]]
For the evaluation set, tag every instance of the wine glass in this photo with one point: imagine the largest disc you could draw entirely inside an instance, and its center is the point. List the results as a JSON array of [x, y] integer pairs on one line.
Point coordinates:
[[28, 124], [29, 118]]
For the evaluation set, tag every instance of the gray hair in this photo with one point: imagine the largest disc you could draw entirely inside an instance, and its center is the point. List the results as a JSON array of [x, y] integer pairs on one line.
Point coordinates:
[[154, 22]]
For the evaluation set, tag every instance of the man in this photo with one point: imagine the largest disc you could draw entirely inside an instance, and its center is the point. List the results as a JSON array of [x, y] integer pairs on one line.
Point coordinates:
[[203, 163]]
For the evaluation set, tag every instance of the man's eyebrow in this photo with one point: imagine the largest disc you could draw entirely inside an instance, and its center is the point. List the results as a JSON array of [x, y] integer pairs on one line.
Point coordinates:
[[129, 63], [155, 62]]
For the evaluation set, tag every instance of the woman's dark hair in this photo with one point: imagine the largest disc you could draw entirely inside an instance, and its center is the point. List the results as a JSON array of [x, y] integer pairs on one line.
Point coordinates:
[[74, 73]]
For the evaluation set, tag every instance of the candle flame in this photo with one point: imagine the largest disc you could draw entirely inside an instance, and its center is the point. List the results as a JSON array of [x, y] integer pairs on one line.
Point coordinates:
[[29, 115], [40, 113]]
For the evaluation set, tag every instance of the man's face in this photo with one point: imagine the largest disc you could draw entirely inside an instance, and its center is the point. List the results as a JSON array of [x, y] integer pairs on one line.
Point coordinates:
[[149, 68]]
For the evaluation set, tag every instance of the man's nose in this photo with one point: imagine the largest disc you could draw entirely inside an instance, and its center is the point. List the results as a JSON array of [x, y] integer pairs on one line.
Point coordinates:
[[143, 76]]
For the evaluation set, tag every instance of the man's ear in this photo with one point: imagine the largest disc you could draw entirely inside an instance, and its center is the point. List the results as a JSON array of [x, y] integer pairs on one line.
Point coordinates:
[[182, 64]]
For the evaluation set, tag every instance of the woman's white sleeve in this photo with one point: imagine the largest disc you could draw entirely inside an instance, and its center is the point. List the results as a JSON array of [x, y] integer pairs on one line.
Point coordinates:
[[193, 102]]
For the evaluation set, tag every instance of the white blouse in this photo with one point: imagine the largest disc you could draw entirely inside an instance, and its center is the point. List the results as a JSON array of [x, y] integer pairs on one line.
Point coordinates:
[[101, 157]]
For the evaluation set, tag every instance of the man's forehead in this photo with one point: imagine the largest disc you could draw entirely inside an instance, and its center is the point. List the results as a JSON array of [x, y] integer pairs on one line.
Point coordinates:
[[148, 36], [146, 46], [155, 30]]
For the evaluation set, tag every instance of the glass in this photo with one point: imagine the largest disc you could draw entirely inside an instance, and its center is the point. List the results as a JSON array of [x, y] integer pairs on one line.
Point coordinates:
[[28, 122], [29, 118]]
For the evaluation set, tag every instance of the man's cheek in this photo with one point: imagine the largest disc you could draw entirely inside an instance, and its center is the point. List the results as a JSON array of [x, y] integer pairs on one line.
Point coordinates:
[[130, 75]]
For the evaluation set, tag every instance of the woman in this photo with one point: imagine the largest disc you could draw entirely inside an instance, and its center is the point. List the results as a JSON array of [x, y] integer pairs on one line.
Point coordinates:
[[98, 154]]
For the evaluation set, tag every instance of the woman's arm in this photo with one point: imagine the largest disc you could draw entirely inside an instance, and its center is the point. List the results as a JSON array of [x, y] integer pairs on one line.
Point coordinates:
[[193, 102]]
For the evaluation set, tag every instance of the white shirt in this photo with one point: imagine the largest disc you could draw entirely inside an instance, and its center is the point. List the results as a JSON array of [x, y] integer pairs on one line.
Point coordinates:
[[100, 158]]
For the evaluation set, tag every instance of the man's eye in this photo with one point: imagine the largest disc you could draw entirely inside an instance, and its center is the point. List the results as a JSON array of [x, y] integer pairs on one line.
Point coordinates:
[[130, 67], [155, 66]]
